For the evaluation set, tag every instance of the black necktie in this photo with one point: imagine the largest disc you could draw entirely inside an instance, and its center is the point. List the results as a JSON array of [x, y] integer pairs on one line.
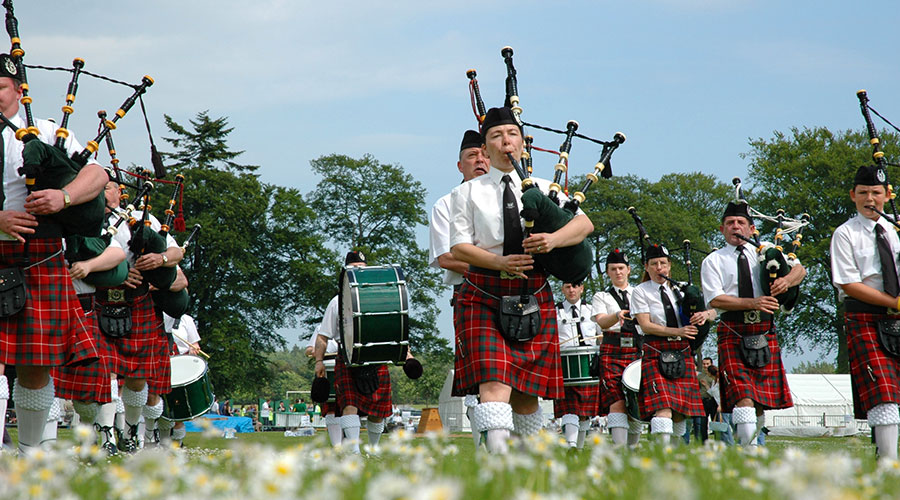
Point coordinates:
[[671, 318], [512, 226], [625, 298], [888, 270], [745, 283], [578, 325]]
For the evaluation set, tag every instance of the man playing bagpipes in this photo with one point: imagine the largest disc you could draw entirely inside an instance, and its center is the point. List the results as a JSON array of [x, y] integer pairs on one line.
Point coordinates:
[[508, 368], [751, 373], [46, 329], [864, 267], [472, 163]]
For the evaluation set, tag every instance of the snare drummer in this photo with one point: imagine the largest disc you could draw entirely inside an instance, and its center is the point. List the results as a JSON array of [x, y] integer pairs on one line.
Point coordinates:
[[621, 346], [576, 329], [669, 386], [187, 342], [486, 233]]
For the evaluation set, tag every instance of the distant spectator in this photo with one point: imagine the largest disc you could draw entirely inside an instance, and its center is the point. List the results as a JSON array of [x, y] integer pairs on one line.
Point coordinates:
[[214, 409], [726, 437], [281, 407], [300, 406], [264, 413], [226, 408]]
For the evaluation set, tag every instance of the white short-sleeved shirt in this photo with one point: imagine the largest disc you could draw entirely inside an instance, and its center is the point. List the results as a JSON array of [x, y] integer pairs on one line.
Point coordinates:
[[646, 299], [568, 326], [719, 272], [329, 327], [187, 330], [476, 209], [604, 303], [854, 253], [439, 238], [120, 240]]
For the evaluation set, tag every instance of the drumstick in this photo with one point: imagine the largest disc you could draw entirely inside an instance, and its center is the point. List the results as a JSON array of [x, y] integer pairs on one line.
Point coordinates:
[[585, 338], [188, 344]]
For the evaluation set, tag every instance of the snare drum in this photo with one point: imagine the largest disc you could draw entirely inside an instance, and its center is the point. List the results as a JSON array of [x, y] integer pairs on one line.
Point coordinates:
[[576, 365], [631, 381], [192, 393], [374, 315]]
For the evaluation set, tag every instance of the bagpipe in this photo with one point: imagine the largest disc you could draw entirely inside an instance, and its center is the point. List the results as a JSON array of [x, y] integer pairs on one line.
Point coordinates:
[[47, 166], [541, 212], [688, 295], [878, 154], [773, 263]]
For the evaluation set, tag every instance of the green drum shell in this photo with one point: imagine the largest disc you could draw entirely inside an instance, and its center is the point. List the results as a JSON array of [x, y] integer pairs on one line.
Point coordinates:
[[631, 383], [576, 365], [374, 315], [188, 399]]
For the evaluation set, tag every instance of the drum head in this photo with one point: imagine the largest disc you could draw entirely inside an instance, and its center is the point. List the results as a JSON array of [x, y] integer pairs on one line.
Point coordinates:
[[345, 313], [631, 377], [187, 369]]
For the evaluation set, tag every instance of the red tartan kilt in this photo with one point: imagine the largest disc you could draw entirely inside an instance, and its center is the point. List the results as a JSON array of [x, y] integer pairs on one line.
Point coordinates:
[[613, 361], [161, 383], [658, 393], [582, 400], [326, 408], [137, 351], [50, 330], [377, 404], [92, 382], [483, 355], [865, 353], [767, 386]]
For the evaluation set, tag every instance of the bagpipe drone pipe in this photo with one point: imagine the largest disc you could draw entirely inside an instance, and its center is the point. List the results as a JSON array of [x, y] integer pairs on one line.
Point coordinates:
[[687, 294], [773, 263], [47, 166], [878, 155], [541, 212]]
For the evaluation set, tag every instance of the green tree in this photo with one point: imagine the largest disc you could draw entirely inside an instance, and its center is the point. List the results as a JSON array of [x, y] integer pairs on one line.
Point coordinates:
[[374, 207], [811, 170], [811, 367], [259, 260]]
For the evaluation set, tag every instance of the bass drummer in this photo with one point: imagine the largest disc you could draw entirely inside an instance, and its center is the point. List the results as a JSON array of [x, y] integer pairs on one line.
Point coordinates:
[[576, 330], [621, 346]]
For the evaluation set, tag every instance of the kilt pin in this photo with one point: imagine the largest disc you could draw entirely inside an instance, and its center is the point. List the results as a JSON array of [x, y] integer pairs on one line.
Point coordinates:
[[377, 404], [51, 329], [483, 355], [613, 361], [681, 395], [874, 376], [767, 386]]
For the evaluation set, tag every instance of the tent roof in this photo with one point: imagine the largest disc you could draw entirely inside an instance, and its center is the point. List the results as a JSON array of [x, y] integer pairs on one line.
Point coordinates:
[[821, 390]]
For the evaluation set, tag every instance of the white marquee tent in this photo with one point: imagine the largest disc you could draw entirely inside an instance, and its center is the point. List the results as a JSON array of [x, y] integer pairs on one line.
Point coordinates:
[[823, 405]]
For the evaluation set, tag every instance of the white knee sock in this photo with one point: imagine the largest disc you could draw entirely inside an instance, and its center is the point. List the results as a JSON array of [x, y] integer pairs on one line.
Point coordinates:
[[179, 434], [569, 424], [526, 424], [476, 427], [661, 429], [32, 410], [583, 426], [4, 402], [497, 419], [374, 430], [151, 416], [333, 425], [48, 437], [165, 430], [884, 419], [678, 430], [350, 425], [635, 428], [618, 427], [86, 411], [744, 418], [134, 402]]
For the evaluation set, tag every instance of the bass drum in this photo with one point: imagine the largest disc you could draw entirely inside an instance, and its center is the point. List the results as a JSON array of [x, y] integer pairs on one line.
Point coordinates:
[[631, 382], [374, 315], [192, 393]]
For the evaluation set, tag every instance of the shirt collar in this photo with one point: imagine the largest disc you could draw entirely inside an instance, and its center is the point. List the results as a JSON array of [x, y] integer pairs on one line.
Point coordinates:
[[496, 176], [869, 224]]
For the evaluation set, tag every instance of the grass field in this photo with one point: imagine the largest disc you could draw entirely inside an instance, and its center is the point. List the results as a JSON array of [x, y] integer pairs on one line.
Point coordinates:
[[270, 465]]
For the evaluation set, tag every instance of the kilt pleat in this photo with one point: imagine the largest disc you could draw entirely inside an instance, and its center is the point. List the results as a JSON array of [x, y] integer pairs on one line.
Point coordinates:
[[657, 392], [767, 386], [874, 376], [50, 330], [377, 404], [613, 361], [483, 355], [582, 400]]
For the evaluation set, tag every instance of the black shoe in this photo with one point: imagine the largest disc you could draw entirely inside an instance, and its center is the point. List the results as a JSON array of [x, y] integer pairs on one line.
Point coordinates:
[[106, 436], [120, 439], [130, 444]]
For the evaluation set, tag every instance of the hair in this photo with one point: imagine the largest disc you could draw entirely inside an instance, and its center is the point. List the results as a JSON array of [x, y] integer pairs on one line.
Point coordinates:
[[712, 370], [646, 276], [710, 359]]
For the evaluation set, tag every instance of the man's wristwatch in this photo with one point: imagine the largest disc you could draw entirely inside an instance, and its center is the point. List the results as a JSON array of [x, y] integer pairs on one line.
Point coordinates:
[[165, 258], [67, 200]]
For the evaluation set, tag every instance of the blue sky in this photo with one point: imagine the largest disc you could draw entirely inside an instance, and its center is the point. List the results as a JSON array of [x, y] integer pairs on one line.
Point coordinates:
[[688, 81]]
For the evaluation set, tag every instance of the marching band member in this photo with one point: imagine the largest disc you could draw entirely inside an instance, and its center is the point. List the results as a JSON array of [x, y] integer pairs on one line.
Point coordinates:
[[576, 329], [49, 331], [187, 341], [486, 233], [864, 269], [330, 410], [669, 387], [622, 341], [471, 164], [751, 375]]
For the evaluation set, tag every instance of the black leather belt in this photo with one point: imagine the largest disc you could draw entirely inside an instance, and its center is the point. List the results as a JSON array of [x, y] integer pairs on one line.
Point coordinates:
[[746, 317], [122, 294], [620, 339], [858, 306]]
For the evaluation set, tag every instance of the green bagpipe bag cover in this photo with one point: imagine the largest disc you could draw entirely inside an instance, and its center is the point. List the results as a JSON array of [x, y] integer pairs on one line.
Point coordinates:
[[569, 264], [145, 240], [52, 169], [79, 248], [174, 304]]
